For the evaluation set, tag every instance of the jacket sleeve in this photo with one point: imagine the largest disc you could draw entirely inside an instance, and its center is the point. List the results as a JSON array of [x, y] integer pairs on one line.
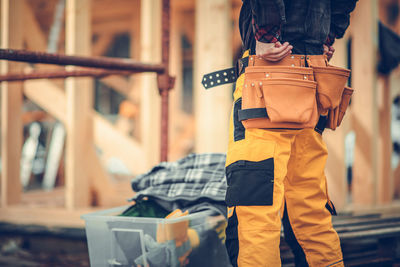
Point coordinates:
[[340, 18], [267, 18]]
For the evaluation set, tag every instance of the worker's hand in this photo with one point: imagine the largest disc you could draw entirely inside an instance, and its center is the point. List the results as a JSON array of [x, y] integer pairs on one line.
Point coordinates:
[[273, 51], [328, 51]]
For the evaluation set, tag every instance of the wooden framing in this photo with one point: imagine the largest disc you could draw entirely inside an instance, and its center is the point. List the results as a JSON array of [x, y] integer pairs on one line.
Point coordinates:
[[385, 188], [335, 141], [365, 115], [150, 107], [374, 183], [213, 51], [11, 105], [79, 102], [32, 33]]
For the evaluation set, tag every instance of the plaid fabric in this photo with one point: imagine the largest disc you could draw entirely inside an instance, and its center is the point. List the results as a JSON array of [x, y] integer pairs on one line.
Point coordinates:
[[267, 34], [197, 176], [266, 20], [309, 22]]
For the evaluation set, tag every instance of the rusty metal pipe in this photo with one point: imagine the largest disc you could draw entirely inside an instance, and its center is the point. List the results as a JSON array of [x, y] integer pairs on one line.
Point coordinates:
[[165, 81], [94, 62], [57, 74]]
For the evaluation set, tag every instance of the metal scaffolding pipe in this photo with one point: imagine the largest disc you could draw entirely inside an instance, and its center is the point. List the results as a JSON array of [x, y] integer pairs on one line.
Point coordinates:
[[165, 81], [94, 62], [57, 74]]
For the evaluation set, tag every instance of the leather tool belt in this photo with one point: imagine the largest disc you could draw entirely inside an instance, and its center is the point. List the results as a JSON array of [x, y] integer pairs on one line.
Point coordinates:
[[291, 93]]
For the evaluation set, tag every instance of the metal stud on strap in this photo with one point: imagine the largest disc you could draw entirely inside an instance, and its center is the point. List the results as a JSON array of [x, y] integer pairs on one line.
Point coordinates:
[[225, 76], [219, 78]]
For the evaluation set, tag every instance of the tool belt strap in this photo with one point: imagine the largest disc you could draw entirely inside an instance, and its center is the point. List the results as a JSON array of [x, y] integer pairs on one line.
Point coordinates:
[[225, 76], [252, 113]]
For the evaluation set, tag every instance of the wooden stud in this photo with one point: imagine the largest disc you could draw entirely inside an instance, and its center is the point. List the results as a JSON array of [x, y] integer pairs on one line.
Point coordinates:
[[335, 140], [11, 105], [213, 51], [386, 180], [109, 9], [133, 89], [101, 45], [365, 112], [33, 35], [395, 91], [79, 102], [150, 101], [111, 142], [175, 107], [115, 26], [384, 156]]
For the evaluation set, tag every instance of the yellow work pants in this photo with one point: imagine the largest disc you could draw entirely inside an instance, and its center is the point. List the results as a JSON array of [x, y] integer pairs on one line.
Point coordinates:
[[277, 175]]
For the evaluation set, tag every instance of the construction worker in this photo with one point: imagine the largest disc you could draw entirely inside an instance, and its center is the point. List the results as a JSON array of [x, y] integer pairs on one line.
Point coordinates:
[[275, 172]]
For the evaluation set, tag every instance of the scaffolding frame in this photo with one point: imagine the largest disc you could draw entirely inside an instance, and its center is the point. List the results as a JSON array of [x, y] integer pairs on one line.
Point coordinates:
[[104, 66]]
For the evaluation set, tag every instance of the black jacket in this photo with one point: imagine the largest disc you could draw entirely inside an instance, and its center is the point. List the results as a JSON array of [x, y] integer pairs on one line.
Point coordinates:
[[306, 24]]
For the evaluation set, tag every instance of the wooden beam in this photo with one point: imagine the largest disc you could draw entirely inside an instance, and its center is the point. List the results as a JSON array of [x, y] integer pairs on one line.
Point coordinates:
[[135, 31], [150, 37], [44, 216], [112, 8], [183, 5], [48, 96], [33, 35], [101, 45], [121, 146], [384, 157], [176, 70], [118, 83], [336, 172], [79, 102], [365, 110], [11, 105], [213, 51], [115, 26], [184, 139], [236, 38], [396, 182], [100, 182], [188, 28], [111, 142], [134, 91]]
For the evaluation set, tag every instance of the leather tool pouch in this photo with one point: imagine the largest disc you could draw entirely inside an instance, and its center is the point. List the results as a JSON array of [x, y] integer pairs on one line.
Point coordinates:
[[331, 83], [346, 96], [287, 94], [289, 100], [279, 97]]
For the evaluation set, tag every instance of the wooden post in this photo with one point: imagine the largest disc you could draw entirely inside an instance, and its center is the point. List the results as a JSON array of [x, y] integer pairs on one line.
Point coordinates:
[[150, 36], [11, 105], [213, 51], [79, 102], [335, 166], [395, 91], [175, 107], [385, 173], [365, 110], [386, 187]]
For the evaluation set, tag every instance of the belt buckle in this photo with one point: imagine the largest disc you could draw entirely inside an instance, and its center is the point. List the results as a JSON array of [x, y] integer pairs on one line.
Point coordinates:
[[241, 64], [239, 68]]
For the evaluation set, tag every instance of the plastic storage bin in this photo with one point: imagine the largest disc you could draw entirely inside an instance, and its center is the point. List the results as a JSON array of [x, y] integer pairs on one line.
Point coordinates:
[[128, 241]]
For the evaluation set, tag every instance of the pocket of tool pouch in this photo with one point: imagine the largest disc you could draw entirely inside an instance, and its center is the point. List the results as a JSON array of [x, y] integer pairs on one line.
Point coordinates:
[[331, 81], [250, 183], [289, 100]]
